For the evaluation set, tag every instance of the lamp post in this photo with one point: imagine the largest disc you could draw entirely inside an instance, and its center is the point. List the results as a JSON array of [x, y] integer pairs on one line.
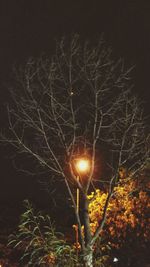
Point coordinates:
[[77, 203], [82, 166]]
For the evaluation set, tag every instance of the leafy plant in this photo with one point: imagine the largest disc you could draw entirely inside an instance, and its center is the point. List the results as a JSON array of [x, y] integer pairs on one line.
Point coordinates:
[[40, 243], [127, 228], [126, 213]]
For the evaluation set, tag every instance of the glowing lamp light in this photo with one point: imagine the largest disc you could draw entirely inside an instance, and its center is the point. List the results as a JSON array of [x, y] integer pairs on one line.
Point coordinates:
[[82, 165]]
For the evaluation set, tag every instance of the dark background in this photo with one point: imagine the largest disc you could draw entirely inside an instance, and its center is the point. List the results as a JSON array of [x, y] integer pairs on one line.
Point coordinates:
[[29, 28]]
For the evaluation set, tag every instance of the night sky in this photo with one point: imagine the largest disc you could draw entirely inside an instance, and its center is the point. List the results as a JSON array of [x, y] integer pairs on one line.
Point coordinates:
[[29, 28]]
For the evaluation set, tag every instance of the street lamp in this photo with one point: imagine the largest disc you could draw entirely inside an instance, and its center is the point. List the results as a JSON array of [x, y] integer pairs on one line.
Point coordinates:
[[82, 166]]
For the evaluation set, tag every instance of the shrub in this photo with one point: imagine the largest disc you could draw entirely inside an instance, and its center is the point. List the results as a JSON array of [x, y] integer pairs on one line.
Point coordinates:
[[40, 244]]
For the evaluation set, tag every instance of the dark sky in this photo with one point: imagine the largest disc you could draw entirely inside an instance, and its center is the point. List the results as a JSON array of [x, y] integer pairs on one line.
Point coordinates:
[[29, 27]]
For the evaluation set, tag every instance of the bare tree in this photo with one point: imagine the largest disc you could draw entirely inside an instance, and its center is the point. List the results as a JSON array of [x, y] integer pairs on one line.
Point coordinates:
[[73, 104]]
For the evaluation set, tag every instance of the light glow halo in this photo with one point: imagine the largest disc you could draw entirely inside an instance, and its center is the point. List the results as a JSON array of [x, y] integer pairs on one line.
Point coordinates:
[[82, 165]]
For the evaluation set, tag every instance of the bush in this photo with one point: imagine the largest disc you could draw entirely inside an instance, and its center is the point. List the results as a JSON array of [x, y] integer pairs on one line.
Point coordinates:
[[40, 244]]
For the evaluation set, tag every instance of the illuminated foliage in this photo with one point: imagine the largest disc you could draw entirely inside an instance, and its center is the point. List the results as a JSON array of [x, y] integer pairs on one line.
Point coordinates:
[[126, 213]]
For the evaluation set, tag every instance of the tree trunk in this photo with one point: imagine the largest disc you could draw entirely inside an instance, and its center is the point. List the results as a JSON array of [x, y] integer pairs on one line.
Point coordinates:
[[88, 257], [86, 221], [88, 253]]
